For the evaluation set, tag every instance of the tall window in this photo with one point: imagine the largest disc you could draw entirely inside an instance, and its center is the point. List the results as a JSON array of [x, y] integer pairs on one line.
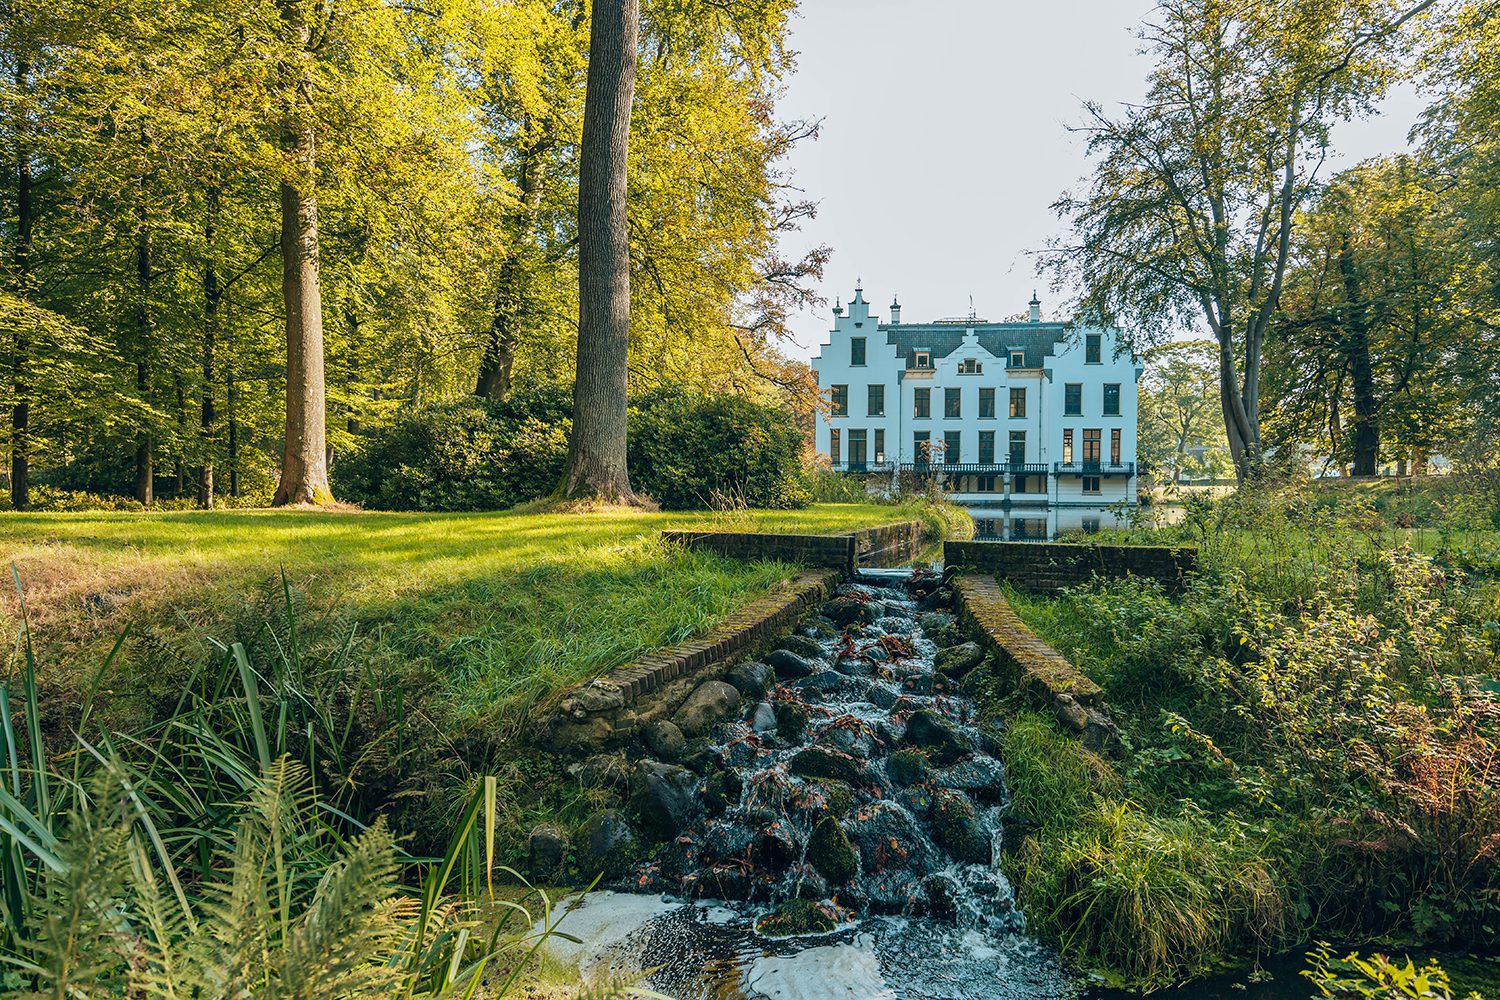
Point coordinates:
[[952, 406], [875, 401], [921, 450], [921, 402], [986, 401], [1067, 446], [1112, 399], [1073, 399], [1093, 349], [857, 457], [840, 400], [1091, 437], [833, 447], [952, 447], [986, 447], [1114, 446], [857, 350], [1018, 401], [1017, 447], [879, 444]]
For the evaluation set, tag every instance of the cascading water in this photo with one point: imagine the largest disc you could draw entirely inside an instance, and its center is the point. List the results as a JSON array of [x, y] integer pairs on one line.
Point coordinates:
[[842, 839]]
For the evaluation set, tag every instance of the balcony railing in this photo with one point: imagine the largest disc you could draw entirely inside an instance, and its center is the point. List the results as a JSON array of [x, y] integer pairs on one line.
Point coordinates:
[[1095, 468], [978, 468]]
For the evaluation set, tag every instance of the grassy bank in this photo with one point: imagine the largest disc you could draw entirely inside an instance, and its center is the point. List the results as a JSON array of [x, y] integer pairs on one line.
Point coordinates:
[[1312, 748]]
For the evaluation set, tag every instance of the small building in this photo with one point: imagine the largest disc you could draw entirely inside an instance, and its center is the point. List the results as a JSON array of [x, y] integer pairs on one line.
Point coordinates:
[[1003, 414]]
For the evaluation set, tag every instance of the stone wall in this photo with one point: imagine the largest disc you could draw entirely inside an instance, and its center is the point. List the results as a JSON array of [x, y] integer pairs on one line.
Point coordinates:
[[1042, 567], [612, 708], [886, 545], [1030, 664]]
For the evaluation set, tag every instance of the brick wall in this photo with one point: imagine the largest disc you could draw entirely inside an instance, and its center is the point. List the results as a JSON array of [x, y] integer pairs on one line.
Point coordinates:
[[887, 545], [1047, 566]]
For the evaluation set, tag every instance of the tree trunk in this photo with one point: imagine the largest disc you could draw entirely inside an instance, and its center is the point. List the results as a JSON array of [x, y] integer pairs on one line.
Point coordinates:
[[20, 411], [232, 444], [1361, 376], [211, 296], [511, 298], [145, 459], [596, 449], [304, 463]]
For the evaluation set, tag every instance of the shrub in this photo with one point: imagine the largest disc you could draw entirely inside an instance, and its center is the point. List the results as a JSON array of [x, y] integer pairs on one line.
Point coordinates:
[[690, 452]]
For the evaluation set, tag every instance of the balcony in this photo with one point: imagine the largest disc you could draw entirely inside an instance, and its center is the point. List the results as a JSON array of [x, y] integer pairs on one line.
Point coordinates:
[[1126, 469], [978, 468]]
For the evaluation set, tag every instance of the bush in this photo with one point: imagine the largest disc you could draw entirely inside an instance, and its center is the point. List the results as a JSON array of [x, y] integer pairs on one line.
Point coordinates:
[[468, 455], [690, 452]]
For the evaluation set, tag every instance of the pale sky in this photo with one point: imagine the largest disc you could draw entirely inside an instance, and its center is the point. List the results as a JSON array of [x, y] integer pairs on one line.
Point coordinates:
[[944, 142]]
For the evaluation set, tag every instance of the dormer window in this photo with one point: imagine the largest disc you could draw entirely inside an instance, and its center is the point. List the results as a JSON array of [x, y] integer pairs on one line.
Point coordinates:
[[921, 359], [970, 366], [1018, 359]]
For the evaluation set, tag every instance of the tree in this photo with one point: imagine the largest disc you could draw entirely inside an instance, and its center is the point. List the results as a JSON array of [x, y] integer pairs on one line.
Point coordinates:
[[1190, 211], [1179, 406], [596, 448]]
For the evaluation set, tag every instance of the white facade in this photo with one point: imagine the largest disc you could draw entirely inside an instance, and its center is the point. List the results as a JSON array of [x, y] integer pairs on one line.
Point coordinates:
[[1008, 414]]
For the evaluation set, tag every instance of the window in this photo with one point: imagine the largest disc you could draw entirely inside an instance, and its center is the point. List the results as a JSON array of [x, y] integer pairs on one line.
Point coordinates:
[[1018, 359], [1114, 446], [1017, 448], [875, 401], [1112, 399], [840, 400], [1022, 484], [1073, 399], [952, 448], [921, 446], [1093, 349], [857, 351], [1091, 484], [970, 366], [879, 445], [984, 484], [986, 447], [1091, 446], [952, 400], [1018, 402], [986, 401], [833, 447], [1067, 446], [857, 457], [921, 402], [984, 527], [1090, 525], [921, 359]]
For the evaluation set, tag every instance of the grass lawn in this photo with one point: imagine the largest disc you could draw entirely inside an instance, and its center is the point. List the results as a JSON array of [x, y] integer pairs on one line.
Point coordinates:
[[490, 613]]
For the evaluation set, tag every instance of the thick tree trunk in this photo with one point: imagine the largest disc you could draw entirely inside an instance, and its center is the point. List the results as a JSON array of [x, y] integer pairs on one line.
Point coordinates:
[[145, 458], [511, 298], [20, 411], [304, 463], [1361, 375], [596, 450], [232, 443], [211, 295]]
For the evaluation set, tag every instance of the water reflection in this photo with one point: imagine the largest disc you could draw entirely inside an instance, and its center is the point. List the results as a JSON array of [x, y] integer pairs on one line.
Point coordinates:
[[1042, 522]]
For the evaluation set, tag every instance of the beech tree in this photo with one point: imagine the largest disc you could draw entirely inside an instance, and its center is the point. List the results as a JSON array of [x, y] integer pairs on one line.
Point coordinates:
[[596, 466], [1189, 214]]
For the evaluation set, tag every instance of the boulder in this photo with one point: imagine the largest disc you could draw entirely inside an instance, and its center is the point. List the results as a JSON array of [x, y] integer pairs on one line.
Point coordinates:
[[751, 679], [665, 797], [763, 718], [888, 840], [830, 853], [823, 681], [956, 829], [665, 741], [955, 661], [788, 665], [933, 733], [803, 646], [546, 850], [933, 621], [982, 777], [710, 702], [606, 845], [791, 719], [907, 767], [849, 610], [721, 790], [822, 762]]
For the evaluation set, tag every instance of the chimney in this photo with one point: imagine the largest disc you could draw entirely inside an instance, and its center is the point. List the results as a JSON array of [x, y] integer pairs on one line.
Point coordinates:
[[895, 311], [1036, 308]]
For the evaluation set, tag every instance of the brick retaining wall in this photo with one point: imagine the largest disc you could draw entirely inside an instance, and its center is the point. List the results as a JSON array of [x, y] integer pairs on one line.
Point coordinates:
[[1047, 566], [886, 545]]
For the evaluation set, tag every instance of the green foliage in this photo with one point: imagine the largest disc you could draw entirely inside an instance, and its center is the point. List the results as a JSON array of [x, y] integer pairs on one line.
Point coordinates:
[[690, 452], [1377, 977]]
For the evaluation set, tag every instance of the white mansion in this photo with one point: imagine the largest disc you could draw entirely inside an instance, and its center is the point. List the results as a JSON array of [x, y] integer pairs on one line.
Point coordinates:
[[1008, 414]]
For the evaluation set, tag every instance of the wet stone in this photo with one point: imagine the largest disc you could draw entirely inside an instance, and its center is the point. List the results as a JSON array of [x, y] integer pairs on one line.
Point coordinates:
[[802, 645], [721, 790], [933, 733], [546, 850], [851, 610], [791, 719], [956, 828], [830, 853], [823, 681], [907, 767], [982, 777], [821, 762], [788, 665], [710, 702], [955, 661], [665, 741], [763, 718], [665, 796], [751, 679], [606, 844]]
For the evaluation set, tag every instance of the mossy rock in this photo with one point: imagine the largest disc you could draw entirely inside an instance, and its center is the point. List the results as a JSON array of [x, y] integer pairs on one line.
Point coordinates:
[[830, 853], [794, 917], [791, 719], [907, 767], [839, 796], [821, 762], [955, 827], [948, 635], [803, 646]]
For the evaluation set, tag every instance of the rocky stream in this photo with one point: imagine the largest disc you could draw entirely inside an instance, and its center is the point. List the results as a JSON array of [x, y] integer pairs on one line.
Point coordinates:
[[829, 821]]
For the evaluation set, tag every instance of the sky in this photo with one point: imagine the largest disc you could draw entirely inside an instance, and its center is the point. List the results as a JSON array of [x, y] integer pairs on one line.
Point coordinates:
[[944, 140]]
